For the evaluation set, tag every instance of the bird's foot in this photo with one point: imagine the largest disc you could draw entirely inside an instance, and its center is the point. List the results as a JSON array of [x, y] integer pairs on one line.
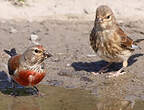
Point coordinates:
[[97, 73], [102, 71], [14, 94], [39, 94], [115, 74]]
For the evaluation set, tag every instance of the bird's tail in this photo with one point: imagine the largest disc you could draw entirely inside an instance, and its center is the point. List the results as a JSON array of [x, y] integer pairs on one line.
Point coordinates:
[[135, 43], [138, 41], [12, 52]]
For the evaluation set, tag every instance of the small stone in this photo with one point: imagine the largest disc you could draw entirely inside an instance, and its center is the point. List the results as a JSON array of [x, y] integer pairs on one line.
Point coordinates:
[[34, 37], [85, 11], [18, 2], [56, 60], [12, 30], [68, 65], [85, 79], [55, 83], [133, 80], [65, 73], [60, 53], [91, 55]]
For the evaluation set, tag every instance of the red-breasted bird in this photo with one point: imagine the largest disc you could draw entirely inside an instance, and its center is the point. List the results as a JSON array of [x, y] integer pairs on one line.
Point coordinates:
[[28, 69], [109, 41]]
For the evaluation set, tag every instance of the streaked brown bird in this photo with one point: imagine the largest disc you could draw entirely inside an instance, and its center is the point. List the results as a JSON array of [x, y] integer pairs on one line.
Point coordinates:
[[28, 69], [109, 41]]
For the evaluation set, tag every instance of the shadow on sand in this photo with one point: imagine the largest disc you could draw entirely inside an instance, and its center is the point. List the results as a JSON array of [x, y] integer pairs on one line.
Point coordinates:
[[96, 66]]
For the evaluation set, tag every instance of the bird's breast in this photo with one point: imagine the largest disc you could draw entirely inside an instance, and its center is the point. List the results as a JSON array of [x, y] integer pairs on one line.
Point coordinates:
[[109, 50], [28, 77]]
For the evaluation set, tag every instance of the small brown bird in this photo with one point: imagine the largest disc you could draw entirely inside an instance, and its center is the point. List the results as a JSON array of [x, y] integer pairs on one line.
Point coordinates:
[[109, 41], [28, 69]]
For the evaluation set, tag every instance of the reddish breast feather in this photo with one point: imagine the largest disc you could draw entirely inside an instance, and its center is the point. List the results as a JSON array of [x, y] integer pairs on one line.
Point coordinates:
[[23, 77]]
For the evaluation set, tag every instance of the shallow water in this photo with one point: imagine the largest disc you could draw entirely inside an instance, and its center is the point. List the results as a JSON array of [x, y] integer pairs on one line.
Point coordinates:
[[57, 98]]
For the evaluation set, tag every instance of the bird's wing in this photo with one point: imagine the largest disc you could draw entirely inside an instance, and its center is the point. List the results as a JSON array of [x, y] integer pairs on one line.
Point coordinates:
[[13, 64], [12, 52], [93, 38], [125, 41]]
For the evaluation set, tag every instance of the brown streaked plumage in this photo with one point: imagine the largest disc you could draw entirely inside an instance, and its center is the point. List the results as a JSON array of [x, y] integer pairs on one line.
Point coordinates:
[[109, 41], [28, 69]]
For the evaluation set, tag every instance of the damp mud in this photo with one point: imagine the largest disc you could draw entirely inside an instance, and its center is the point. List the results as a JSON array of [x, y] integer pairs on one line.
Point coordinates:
[[69, 83], [57, 98]]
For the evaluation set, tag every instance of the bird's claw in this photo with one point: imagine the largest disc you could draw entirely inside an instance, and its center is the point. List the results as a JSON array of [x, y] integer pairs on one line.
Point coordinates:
[[115, 74], [96, 73]]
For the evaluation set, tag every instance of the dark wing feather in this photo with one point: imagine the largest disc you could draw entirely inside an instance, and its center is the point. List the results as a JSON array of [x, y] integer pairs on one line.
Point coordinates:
[[125, 42], [12, 52], [13, 64], [93, 38]]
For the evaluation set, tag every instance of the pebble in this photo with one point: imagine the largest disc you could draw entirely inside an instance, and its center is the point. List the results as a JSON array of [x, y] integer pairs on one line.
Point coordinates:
[[12, 30], [85, 11], [65, 73], [91, 55], [68, 65], [34, 38], [55, 83], [85, 79]]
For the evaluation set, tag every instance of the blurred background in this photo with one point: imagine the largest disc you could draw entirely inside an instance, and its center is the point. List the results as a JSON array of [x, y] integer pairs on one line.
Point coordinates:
[[68, 9]]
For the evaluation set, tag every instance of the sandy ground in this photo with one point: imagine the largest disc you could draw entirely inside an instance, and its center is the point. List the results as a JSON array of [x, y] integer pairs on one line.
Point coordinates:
[[37, 10], [71, 65], [68, 41]]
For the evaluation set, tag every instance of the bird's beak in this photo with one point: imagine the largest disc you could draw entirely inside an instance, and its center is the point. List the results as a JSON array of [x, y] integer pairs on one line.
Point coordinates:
[[100, 20], [47, 54]]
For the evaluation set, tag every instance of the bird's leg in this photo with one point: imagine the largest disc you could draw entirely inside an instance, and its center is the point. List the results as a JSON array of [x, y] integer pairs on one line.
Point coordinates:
[[37, 91], [103, 69], [14, 89], [119, 72]]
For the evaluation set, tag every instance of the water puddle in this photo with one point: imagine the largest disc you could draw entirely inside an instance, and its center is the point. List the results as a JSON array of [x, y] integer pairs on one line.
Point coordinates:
[[57, 98]]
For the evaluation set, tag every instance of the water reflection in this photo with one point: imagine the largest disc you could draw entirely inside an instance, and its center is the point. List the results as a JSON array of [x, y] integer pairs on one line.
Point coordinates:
[[114, 104], [19, 104], [66, 99], [6, 86]]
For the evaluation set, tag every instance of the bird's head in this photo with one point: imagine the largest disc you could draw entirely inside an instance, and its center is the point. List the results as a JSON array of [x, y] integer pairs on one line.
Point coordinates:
[[36, 54], [105, 18]]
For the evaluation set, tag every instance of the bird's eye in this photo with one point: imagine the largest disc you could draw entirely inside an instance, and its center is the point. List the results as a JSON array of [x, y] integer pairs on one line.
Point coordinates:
[[36, 51], [108, 17]]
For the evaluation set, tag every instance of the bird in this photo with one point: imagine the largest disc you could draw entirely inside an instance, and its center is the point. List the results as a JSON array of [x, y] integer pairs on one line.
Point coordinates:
[[28, 69], [110, 42]]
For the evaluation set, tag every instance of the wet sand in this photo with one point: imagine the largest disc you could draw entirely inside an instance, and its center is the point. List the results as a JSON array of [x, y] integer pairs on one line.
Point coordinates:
[[57, 98], [73, 59]]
